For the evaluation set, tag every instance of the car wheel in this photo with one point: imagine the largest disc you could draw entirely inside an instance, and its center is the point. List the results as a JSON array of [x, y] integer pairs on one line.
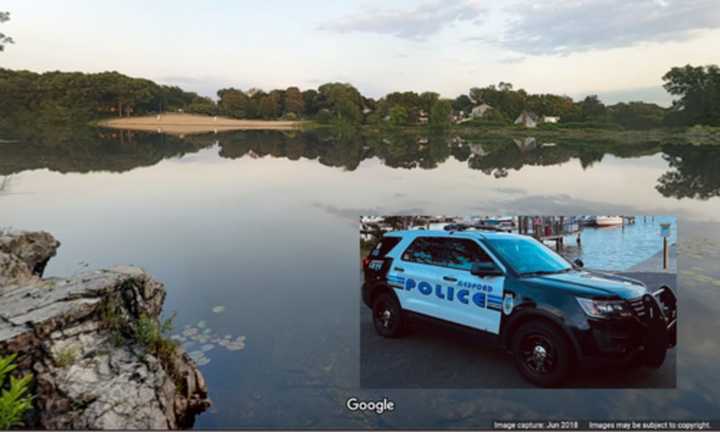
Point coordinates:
[[541, 355], [387, 315]]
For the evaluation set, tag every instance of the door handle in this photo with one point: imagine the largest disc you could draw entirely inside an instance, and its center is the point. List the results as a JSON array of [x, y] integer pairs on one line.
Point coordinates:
[[399, 269], [449, 279]]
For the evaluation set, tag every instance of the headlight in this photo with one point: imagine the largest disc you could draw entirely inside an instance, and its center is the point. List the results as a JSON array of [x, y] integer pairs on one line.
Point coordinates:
[[603, 308]]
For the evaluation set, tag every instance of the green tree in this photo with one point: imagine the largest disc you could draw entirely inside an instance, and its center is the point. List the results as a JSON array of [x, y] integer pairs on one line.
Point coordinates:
[[637, 115], [310, 102], [4, 39], [698, 89], [428, 100], [294, 102], [440, 114], [502, 98], [234, 103], [269, 107], [343, 101], [202, 105], [398, 116], [463, 103], [592, 109]]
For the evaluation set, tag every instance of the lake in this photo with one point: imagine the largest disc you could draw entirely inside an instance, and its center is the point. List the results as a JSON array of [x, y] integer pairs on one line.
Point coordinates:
[[255, 235]]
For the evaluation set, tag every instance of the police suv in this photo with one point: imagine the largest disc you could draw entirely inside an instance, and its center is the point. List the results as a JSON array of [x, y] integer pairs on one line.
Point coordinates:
[[551, 315]]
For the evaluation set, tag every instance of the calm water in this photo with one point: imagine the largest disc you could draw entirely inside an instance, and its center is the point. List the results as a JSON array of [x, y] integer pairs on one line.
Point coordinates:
[[255, 235], [622, 247]]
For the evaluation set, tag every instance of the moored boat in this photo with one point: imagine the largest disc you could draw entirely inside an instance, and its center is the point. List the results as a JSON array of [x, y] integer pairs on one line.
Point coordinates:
[[606, 221]]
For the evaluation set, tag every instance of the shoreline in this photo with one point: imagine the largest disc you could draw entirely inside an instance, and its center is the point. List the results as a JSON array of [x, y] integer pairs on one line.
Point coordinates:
[[186, 124]]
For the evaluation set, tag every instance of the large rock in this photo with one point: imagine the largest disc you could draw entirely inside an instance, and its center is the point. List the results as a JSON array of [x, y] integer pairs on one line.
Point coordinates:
[[77, 337], [24, 255]]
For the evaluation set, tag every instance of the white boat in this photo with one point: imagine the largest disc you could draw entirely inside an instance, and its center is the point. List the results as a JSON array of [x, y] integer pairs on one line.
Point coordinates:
[[606, 221]]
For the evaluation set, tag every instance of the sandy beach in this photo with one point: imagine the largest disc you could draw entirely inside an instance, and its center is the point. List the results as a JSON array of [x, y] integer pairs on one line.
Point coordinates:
[[185, 124]]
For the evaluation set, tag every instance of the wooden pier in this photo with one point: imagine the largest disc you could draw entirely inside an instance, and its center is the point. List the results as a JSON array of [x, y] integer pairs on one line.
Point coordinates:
[[550, 228]]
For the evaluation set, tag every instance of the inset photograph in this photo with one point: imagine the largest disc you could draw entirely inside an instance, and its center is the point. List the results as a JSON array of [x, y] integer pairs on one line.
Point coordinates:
[[518, 301]]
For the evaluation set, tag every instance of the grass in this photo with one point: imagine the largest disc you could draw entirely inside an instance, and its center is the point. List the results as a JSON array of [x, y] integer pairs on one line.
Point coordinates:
[[154, 337], [66, 357], [15, 399], [112, 320]]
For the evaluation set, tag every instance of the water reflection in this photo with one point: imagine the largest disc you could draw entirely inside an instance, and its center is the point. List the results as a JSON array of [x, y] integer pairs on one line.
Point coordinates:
[[691, 173], [245, 220], [694, 172]]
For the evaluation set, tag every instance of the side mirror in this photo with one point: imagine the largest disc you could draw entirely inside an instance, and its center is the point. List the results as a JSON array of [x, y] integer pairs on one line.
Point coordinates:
[[579, 263], [485, 269]]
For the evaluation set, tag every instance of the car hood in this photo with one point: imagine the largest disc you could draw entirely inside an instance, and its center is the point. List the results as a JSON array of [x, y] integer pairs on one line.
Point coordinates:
[[593, 284]]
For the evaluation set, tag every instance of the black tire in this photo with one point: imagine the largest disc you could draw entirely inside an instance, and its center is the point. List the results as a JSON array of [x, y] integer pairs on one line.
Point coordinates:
[[541, 354], [387, 315]]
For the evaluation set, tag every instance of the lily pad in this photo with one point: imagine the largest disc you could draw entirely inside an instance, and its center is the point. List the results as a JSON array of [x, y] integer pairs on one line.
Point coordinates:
[[218, 309]]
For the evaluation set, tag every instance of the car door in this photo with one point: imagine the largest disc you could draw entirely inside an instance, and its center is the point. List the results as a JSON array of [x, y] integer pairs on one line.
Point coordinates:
[[471, 300], [437, 282], [417, 275]]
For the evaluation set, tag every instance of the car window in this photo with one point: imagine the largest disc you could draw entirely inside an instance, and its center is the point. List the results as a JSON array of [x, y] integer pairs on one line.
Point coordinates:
[[384, 246], [527, 255], [453, 253]]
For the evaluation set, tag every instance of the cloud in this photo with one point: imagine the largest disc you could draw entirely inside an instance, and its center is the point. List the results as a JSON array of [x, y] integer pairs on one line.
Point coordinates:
[[564, 27], [414, 24]]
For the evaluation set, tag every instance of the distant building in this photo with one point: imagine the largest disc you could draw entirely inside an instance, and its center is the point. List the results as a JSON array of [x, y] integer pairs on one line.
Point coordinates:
[[526, 144], [527, 119], [423, 117], [366, 110], [478, 150], [480, 110], [550, 119]]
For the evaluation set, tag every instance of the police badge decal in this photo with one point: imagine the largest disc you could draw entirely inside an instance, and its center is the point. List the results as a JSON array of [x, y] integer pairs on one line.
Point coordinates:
[[508, 304]]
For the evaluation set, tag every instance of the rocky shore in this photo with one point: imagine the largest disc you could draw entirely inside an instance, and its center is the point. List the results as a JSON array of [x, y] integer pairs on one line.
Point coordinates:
[[93, 344]]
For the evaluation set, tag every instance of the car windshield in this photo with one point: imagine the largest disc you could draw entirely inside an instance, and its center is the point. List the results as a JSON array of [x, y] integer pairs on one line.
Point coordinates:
[[528, 256]]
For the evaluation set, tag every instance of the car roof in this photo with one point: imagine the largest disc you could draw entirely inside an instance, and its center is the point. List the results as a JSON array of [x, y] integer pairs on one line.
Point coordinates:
[[489, 235]]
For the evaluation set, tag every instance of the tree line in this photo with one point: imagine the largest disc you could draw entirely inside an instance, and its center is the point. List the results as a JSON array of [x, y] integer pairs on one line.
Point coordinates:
[[67, 96], [74, 96]]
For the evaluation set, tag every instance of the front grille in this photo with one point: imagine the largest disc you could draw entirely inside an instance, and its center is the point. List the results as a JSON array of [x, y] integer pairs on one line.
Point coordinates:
[[638, 306], [668, 302], [662, 299]]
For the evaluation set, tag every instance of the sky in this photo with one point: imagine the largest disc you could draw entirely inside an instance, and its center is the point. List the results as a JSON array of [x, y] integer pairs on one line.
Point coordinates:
[[618, 49]]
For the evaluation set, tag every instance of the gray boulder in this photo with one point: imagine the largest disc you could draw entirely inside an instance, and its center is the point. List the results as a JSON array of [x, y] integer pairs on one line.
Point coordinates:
[[78, 337]]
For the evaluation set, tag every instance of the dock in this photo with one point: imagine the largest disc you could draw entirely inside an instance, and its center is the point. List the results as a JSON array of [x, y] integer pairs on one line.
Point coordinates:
[[550, 228]]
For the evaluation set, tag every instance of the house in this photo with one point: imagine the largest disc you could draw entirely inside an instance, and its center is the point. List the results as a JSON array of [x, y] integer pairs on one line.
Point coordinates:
[[480, 110], [423, 117], [477, 149], [550, 119], [526, 144], [527, 119]]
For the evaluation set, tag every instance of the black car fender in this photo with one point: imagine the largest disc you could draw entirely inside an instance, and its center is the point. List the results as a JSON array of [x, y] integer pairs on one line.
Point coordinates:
[[529, 312], [375, 288]]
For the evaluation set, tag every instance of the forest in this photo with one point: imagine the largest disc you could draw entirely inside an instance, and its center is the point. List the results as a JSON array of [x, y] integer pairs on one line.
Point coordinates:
[[71, 97]]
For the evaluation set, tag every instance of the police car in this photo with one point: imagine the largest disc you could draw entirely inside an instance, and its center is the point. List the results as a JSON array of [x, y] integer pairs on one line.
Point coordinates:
[[550, 314]]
